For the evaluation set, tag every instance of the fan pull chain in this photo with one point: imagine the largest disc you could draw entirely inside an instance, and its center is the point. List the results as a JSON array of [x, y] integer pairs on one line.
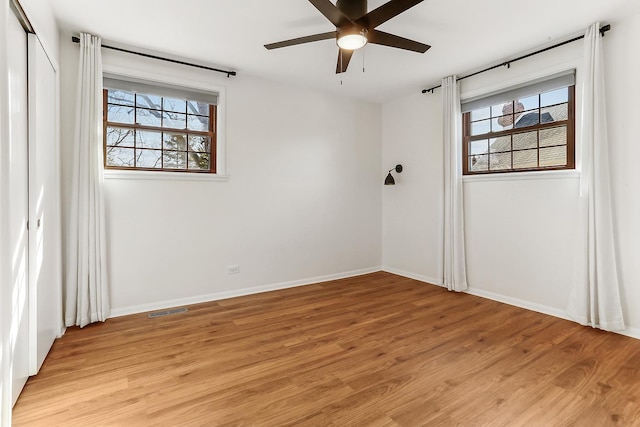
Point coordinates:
[[363, 60]]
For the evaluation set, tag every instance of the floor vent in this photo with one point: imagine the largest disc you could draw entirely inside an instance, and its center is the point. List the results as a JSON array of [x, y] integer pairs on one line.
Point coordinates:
[[167, 312]]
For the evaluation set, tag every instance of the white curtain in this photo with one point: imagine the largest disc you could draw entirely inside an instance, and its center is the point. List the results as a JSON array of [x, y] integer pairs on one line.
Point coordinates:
[[455, 273], [86, 287], [595, 297]]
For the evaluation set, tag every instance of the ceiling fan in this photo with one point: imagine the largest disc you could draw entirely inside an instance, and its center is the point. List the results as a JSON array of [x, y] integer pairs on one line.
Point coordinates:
[[355, 28]]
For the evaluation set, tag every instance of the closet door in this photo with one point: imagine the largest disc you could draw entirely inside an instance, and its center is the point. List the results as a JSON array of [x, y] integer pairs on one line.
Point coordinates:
[[18, 213], [45, 298]]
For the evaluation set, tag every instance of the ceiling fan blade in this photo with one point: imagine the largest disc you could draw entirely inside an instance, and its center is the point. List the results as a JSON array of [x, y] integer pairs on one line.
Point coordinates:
[[331, 12], [391, 40], [344, 56], [301, 40], [385, 12]]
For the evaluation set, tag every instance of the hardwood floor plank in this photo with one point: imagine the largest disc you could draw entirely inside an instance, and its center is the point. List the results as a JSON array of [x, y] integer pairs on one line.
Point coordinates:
[[373, 350]]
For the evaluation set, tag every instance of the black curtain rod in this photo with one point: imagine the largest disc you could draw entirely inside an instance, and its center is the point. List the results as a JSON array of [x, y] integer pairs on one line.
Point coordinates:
[[175, 61], [508, 63]]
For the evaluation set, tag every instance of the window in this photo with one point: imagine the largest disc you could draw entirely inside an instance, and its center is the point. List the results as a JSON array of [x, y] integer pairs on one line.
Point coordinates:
[[158, 128], [528, 128]]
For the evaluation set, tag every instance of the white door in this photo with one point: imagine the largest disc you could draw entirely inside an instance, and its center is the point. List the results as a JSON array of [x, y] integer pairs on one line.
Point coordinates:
[[44, 219], [18, 213]]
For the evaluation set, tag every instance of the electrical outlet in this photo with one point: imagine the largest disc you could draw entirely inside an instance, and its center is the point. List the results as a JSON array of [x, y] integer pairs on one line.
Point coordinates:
[[233, 269]]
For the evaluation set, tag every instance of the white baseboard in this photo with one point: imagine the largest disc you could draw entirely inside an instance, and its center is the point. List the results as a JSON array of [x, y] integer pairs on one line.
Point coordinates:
[[429, 280], [551, 311], [544, 309], [161, 305], [630, 332]]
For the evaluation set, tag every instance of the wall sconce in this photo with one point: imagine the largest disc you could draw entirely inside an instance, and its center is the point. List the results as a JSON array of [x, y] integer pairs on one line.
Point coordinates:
[[389, 179]]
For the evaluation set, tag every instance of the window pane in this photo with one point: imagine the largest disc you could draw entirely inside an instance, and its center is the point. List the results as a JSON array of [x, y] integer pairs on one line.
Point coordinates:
[[119, 114], [554, 97], [501, 109], [121, 157], [172, 104], [525, 159], [148, 139], [154, 132], [200, 108], [527, 118], [199, 143], [148, 158], [174, 159], [175, 141], [481, 114], [479, 163], [500, 161], [529, 133], [148, 101], [553, 136], [502, 123], [479, 147], [148, 117], [478, 128], [199, 161], [525, 140], [120, 137], [553, 156], [120, 97], [198, 123], [174, 120], [500, 144], [531, 102], [555, 113]]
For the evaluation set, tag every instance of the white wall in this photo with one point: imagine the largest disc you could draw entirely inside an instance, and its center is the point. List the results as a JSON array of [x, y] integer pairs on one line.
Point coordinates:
[[302, 202], [520, 233], [412, 209]]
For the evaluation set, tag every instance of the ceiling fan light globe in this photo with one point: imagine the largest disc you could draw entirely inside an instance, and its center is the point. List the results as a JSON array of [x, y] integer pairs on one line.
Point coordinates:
[[352, 41]]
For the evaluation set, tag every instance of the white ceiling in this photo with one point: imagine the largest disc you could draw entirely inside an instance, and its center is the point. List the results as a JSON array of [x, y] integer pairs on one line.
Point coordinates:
[[464, 35]]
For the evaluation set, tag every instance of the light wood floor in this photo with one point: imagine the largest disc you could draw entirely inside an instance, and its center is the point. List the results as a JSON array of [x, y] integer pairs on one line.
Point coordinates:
[[375, 350]]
